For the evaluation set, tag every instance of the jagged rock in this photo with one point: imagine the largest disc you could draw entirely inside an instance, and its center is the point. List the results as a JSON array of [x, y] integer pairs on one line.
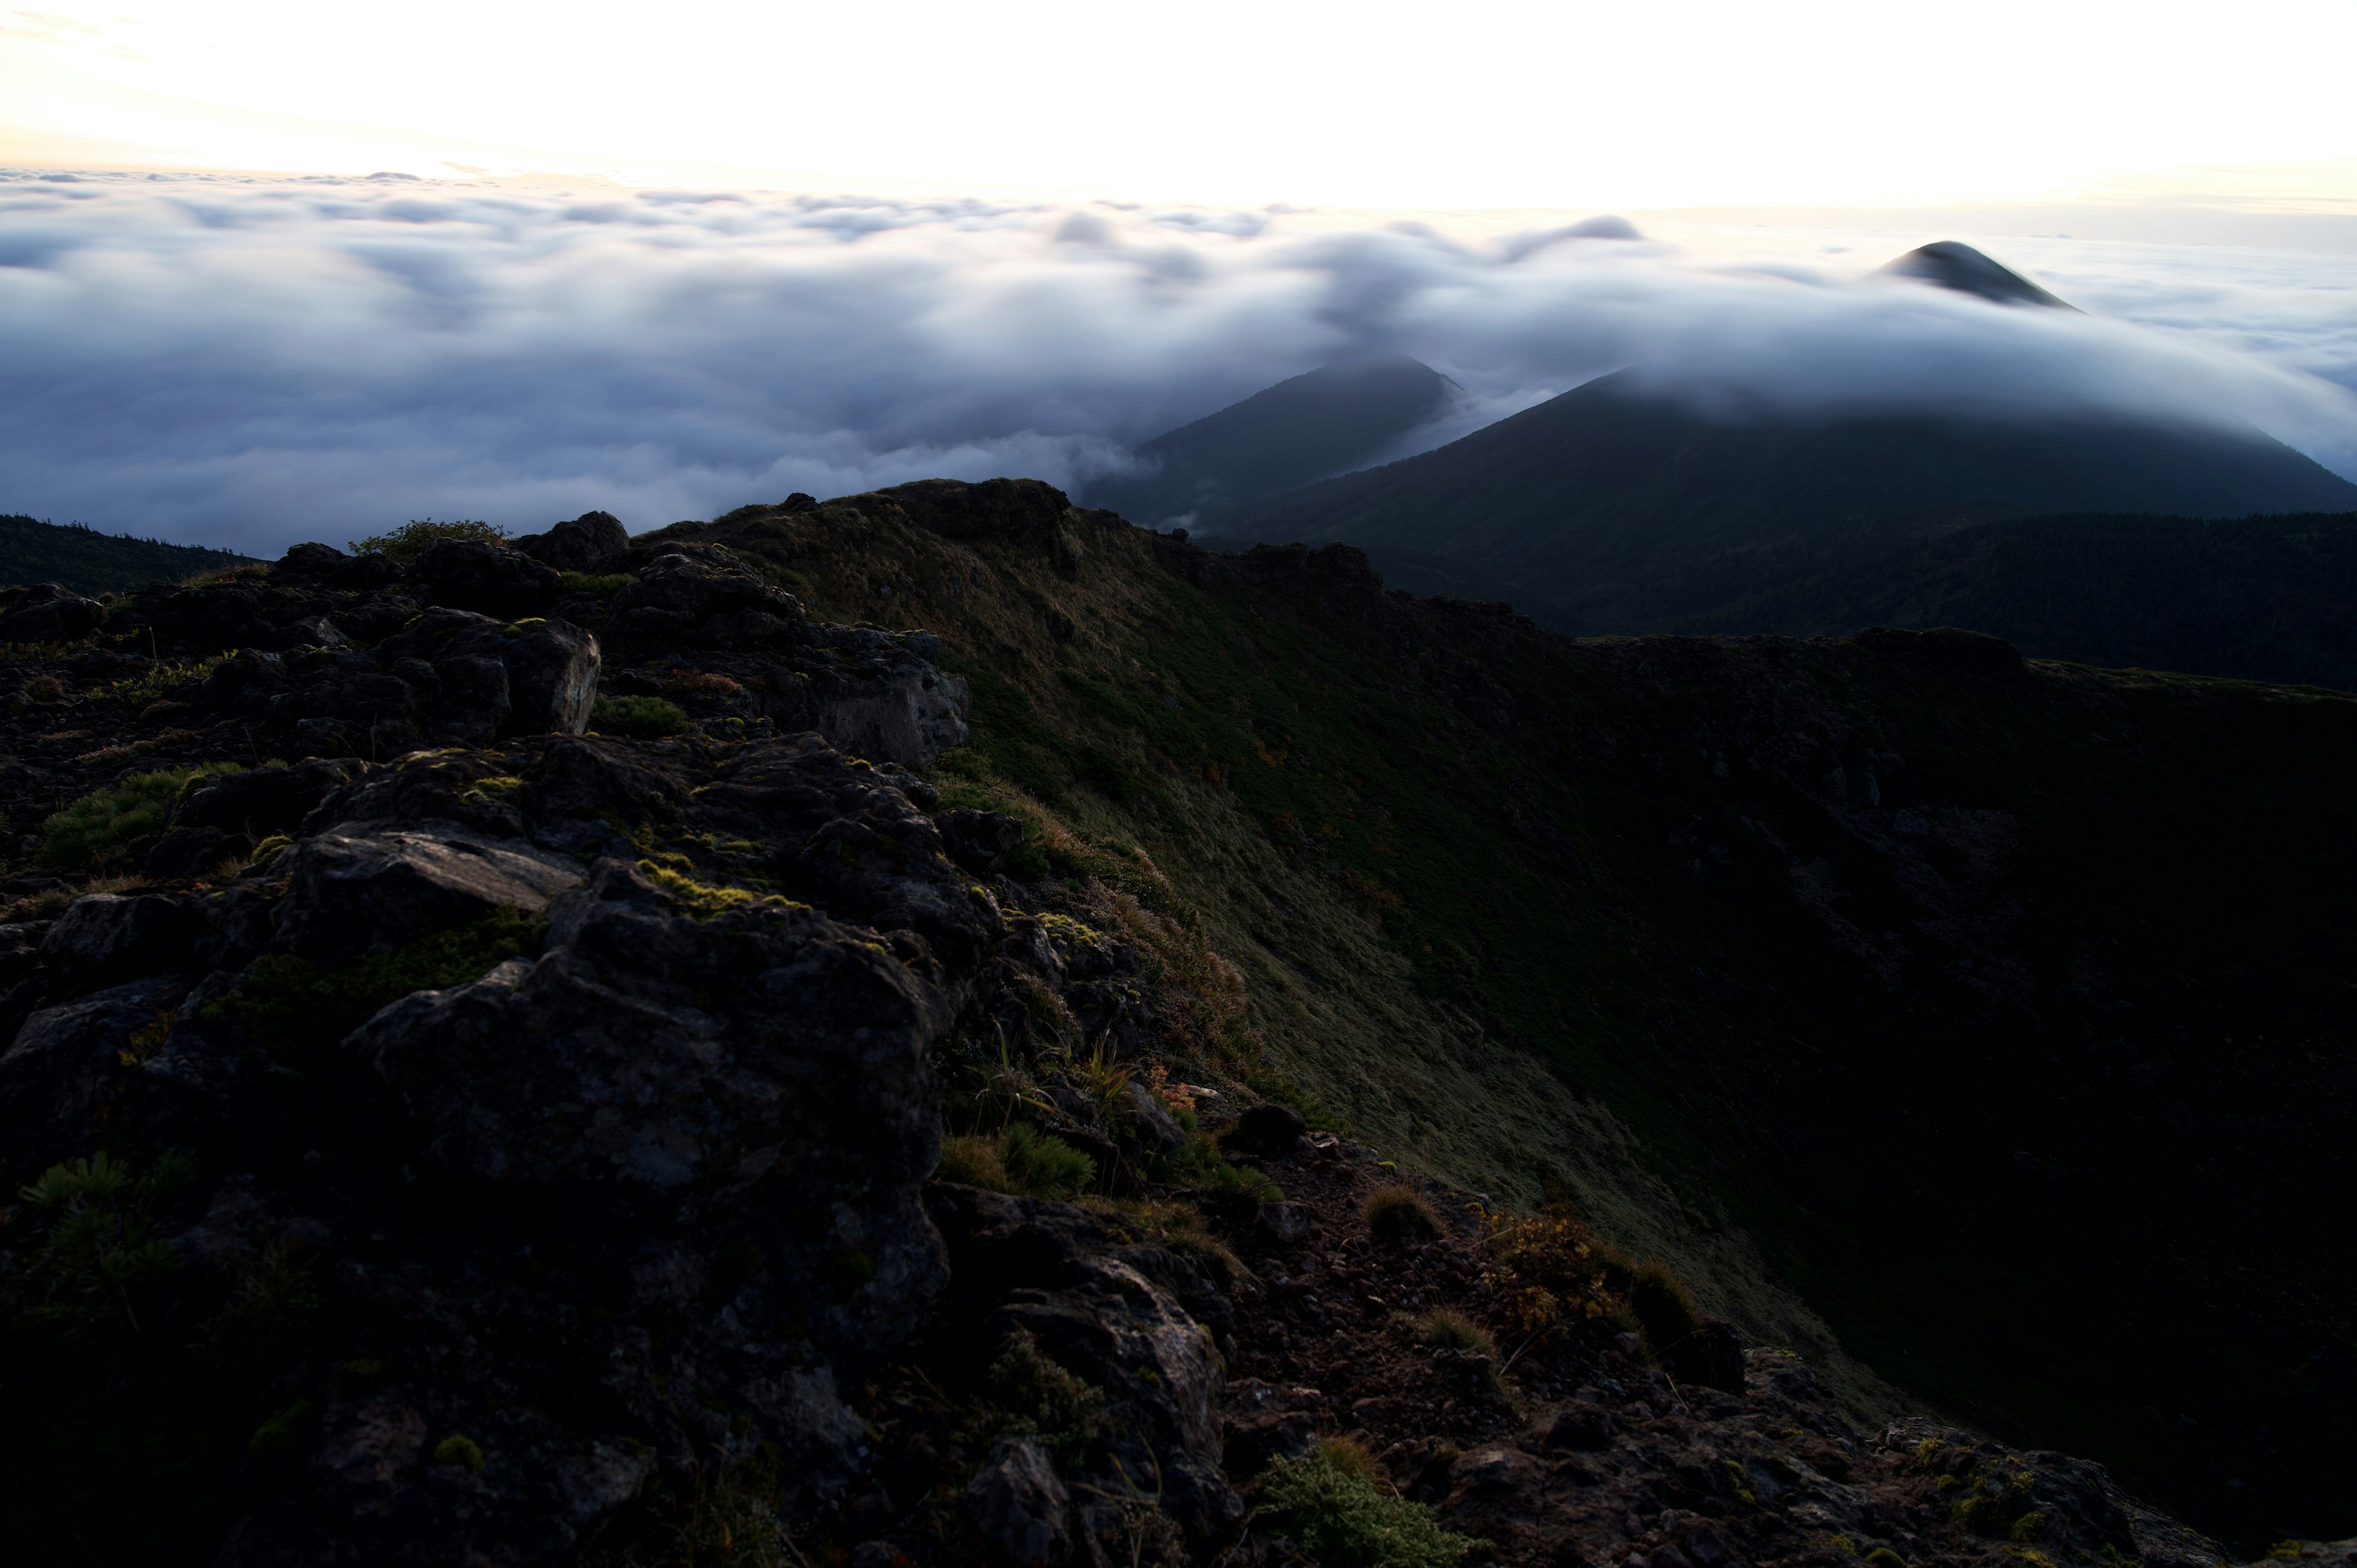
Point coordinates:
[[104, 936], [352, 894], [50, 612], [984, 843], [1153, 1126], [578, 545], [54, 1077], [490, 579], [880, 696], [679, 594], [1580, 1426], [1019, 1505], [1111, 1316], [1286, 1224], [552, 679]]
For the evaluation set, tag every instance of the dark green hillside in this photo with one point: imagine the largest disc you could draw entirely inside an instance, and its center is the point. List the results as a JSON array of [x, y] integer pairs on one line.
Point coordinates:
[[89, 562], [1607, 510], [1333, 419], [2004, 1007]]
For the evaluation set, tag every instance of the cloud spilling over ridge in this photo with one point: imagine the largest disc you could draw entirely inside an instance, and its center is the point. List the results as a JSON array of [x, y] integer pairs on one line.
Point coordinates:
[[249, 361]]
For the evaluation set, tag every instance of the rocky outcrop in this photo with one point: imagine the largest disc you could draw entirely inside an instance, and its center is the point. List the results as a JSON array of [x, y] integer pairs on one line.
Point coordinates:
[[49, 612], [578, 545]]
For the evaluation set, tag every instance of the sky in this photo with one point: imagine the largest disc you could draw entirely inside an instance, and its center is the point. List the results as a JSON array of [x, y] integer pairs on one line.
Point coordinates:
[[270, 272]]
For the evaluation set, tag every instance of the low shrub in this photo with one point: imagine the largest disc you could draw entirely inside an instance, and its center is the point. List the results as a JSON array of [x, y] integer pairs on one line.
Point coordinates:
[[973, 1161], [1553, 1271], [1333, 1502], [1043, 1165], [603, 586], [639, 718], [413, 538], [101, 1246], [1021, 1160], [1029, 1393], [106, 821], [463, 1451], [1399, 1213], [1201, 1166]]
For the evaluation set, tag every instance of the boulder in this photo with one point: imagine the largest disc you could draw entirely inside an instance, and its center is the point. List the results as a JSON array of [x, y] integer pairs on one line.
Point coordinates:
[[261, 801], [552, 679], [1157, 1132], [1712, 1355], [1254, 1440], [578, 545], [50, 612], [1019, 1505], [1580, 1426], [1268, 1131], [350, 895], [103, 937], [1286, 1224], [54, 1077], [309, 560], [490, 579]]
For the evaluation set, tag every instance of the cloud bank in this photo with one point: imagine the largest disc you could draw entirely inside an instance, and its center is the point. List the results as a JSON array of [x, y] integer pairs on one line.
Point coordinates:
[[249, 362]]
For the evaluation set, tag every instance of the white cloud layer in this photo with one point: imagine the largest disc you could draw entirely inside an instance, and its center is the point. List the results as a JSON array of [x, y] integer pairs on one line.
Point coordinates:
[[253, 361]]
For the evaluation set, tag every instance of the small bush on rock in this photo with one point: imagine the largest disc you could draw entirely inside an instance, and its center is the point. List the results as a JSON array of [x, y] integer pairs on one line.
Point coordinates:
[[1333, 1502], [106, 821], [639, 718], [290, 1004], [603, 586], [413, 538], [1399, 1213]]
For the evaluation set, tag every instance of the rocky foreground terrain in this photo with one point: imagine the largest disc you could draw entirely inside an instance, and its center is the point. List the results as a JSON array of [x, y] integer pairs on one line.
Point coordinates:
[[518, 1054]]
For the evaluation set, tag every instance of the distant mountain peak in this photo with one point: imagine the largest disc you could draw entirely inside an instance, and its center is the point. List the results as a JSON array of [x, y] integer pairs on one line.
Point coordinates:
[[1952, 263]]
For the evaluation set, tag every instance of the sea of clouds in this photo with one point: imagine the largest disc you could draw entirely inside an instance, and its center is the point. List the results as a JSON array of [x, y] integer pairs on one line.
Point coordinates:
[[251, 361]]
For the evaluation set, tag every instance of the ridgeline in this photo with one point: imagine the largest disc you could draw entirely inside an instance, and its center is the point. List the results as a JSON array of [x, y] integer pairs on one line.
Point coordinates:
[[486, 1016]]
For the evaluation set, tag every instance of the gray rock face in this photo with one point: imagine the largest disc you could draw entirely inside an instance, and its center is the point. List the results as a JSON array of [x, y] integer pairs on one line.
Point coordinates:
[[880, 696], [1019, 1505], [354, 894]]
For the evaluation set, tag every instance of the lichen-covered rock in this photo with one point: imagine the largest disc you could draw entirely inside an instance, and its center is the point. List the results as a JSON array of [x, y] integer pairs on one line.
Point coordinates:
[[106, 937]]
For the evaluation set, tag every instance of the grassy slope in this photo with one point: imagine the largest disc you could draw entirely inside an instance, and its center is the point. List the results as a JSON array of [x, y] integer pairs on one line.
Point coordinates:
[[89, 562], [1438, 847]]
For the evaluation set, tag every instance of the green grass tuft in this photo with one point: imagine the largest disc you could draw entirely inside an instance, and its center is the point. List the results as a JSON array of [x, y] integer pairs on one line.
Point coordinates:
[[106, 822], [290, 1005], [1333, 1503], [639, 719]]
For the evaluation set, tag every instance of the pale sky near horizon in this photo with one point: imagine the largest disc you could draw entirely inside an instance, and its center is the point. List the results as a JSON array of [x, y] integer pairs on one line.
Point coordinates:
[[1485, 104]]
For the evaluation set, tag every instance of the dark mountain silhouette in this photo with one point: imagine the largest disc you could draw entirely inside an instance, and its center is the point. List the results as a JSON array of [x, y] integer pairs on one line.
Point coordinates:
[[1326, 422], [1950, 263], [1614, 509], [89, 562]]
